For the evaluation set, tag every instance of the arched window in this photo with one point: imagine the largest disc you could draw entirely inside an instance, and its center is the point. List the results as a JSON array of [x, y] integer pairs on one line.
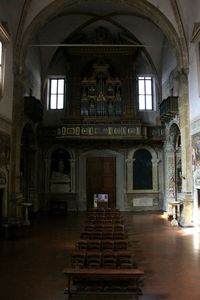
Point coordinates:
[[142, 170]]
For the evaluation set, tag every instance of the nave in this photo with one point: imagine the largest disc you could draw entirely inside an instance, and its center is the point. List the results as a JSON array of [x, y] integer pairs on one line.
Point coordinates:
[[32, 261]]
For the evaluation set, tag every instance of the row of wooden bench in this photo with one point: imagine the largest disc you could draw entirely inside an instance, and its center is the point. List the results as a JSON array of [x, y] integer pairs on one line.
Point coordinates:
[[105, 259], [102, 262], [102, 227], [107, 244], [105, 234]]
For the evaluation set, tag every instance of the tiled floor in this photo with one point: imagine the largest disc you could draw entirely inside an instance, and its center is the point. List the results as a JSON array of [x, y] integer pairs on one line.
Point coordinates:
[[31, 264]]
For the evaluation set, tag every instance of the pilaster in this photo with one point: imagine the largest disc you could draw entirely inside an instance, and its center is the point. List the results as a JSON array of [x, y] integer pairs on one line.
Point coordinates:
[[129, 163], [73, 180], [155, 163], [169, 175]]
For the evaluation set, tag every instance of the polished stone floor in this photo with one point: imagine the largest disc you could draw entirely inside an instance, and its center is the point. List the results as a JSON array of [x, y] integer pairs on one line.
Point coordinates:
[[31, 261]]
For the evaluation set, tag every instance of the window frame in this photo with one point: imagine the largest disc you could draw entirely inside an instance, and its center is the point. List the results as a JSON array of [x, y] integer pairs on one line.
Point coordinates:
[[145, 78], [57, 78]]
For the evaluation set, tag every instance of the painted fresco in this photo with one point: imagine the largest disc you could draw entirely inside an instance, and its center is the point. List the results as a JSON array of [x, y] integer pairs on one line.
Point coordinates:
[[196, 158]]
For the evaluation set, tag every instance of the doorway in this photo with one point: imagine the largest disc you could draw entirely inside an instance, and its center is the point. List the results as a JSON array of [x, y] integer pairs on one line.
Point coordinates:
[[101, 179]]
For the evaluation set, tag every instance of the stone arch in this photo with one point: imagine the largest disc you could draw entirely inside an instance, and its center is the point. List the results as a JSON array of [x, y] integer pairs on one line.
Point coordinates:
[[130, 163], [174, 135], [143, 9], [146, 147]]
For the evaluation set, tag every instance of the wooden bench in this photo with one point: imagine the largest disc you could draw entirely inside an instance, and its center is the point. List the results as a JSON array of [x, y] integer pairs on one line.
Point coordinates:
[[103, 281]]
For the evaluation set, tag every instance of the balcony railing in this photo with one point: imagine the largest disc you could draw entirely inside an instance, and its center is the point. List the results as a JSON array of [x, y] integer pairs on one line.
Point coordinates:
[[104, 131], [169, 108], [33, 108]]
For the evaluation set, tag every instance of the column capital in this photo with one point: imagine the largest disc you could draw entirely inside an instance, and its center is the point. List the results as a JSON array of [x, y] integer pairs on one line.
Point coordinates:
[[155, 161], [130, 160]]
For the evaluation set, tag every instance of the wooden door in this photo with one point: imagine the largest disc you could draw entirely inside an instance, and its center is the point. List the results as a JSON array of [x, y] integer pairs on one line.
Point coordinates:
[[101, 178]]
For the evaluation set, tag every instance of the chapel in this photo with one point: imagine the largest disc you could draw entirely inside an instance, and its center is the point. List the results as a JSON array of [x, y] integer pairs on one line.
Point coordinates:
[[99, 108]]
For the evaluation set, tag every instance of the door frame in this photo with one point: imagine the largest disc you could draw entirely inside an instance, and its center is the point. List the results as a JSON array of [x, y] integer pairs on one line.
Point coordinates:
[[120, 176]]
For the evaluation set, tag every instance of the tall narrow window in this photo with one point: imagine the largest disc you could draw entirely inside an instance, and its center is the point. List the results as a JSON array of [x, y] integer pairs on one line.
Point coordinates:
[[145, 93], [56, 93]]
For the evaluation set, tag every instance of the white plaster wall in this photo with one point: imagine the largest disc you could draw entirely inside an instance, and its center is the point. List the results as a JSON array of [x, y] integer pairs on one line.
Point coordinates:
[[168, 64], [35, 8], [10, 11], [194, 83], [190, 13], [165, 7], [33, 75]]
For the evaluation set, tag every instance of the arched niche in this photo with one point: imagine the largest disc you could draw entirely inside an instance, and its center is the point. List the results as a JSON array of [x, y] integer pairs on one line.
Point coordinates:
[[142, 170], [152, 159], [60, 170]]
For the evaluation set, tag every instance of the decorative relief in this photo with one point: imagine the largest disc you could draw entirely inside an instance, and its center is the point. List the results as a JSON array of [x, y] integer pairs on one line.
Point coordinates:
[[171, 184], [96, 130], [196, 151], [196, 159], [99, 131]]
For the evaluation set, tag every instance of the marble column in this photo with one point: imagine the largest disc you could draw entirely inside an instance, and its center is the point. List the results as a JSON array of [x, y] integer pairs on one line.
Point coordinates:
[[155, 163], [186, 156], [169, 176]]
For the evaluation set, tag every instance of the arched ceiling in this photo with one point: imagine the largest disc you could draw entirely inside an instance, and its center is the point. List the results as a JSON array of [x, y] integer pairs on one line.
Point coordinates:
[[139, 19]]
